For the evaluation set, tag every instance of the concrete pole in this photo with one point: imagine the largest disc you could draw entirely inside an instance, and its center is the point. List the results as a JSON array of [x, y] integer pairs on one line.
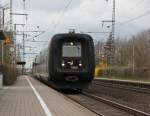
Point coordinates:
[[133, 59], [3, 18], [11, 22], [2, 43]]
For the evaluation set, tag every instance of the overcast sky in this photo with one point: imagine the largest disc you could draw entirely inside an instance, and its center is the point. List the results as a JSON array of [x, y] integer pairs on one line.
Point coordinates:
[[83, 15]]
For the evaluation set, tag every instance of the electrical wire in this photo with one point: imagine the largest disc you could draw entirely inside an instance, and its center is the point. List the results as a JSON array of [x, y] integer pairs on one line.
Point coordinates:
[[62, 15], [135, 18], [136, 5]]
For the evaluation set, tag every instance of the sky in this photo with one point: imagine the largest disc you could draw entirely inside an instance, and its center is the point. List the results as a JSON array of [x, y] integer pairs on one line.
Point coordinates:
[[58, 16]]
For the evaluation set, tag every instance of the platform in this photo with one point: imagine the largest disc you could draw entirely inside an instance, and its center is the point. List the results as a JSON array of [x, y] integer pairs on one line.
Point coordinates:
[[29, 97]]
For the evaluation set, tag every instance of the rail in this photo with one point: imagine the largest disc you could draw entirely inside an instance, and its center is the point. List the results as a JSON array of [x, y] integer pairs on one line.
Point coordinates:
[[117, 105]]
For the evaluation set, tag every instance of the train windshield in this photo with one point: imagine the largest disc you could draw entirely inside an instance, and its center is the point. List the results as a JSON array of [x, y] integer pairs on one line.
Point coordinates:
[[71, 49]]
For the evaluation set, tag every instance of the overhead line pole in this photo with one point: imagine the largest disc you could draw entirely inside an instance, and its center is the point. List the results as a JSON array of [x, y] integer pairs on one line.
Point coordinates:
[[23, 31], [39, 41], [11, 15], [110, 42], [3, 26], [16, 34], [31, 53], [113, 21], [19, 14], [96, 32], [31, 31]]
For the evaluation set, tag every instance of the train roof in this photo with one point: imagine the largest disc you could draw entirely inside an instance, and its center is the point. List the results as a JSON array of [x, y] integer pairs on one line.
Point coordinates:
[[80, 35]]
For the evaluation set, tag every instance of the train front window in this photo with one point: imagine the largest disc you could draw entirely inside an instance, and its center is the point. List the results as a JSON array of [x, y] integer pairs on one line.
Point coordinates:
[[71, 49]]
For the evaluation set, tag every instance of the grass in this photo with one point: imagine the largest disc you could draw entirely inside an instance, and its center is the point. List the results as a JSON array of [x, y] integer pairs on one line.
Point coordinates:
[[127, 78]]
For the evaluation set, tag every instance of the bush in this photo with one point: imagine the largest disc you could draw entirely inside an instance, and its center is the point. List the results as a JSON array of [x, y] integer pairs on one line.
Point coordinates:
[[127, 72]]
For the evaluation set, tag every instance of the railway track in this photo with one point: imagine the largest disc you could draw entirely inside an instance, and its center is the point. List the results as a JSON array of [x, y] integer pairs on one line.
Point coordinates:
[[125, 85], [130, 93], [72, 98], [105, 107], [130, 110]]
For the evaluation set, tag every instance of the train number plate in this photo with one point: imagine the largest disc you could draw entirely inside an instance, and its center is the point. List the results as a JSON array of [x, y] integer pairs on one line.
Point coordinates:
[[74, 67]]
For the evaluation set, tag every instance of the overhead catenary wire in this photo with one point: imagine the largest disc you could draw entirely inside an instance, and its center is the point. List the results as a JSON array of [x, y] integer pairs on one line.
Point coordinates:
[[35, 36], [137, 5], [133, 19], [62, 14]]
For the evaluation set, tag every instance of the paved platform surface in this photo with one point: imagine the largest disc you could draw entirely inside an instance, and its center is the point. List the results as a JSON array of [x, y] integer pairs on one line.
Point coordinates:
[[29, 97]]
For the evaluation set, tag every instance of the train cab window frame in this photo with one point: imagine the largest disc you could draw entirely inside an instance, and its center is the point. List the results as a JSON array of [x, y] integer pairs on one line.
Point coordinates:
[[69, 45]]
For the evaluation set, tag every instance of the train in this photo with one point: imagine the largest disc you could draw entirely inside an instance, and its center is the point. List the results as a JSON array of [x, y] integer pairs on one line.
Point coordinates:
[[67, 63]]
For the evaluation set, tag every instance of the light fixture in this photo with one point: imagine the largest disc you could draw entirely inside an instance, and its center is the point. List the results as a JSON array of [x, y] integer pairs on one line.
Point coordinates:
[[80, 64], [63, 64], [71, 43]]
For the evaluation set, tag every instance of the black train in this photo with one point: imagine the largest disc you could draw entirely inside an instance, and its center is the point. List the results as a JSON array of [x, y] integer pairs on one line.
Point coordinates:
[[68, 63]]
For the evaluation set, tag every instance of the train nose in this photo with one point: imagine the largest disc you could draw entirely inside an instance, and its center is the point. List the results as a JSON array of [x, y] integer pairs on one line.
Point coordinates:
[[72, 78]]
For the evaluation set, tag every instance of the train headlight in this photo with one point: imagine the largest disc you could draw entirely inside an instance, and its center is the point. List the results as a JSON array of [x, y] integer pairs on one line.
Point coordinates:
[[71, 43], [63, 64], [80, 64]]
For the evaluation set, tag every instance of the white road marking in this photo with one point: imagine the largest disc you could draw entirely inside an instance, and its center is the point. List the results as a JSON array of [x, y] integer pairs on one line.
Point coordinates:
[[44, 106]]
